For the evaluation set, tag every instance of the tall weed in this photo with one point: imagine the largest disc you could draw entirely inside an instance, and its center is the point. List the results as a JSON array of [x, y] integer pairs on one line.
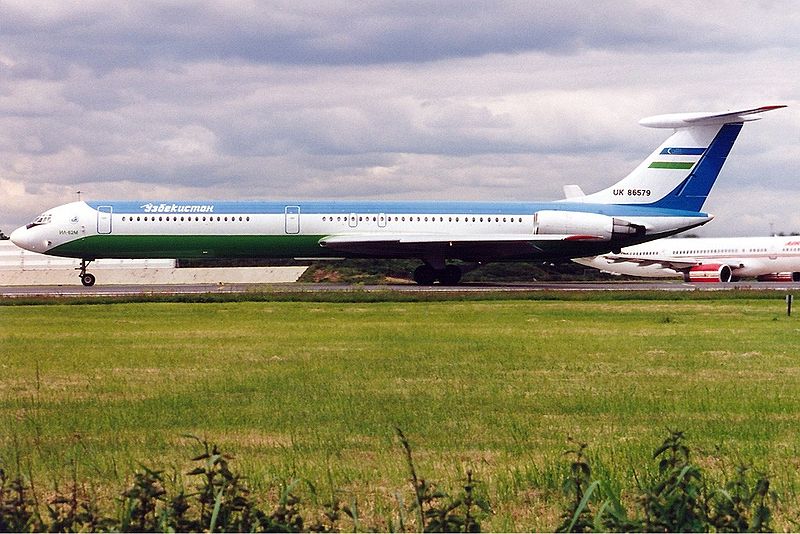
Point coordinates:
[[677, 496]]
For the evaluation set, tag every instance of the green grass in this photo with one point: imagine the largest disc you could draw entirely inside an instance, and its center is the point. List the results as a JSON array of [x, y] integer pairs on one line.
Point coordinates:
[[297, 389]]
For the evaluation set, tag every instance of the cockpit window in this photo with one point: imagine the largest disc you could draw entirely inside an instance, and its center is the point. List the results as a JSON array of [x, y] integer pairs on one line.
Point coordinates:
[[40, 220]]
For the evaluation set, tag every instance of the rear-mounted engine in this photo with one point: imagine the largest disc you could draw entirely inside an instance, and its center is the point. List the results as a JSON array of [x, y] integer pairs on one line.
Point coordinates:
[[589, 225]]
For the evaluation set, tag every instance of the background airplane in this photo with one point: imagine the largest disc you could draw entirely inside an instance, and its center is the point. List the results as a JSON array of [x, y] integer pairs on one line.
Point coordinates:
[[720, 259], [660, 197]]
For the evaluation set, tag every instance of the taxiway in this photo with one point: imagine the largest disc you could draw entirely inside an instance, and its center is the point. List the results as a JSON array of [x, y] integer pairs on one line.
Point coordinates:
[[122, 290]]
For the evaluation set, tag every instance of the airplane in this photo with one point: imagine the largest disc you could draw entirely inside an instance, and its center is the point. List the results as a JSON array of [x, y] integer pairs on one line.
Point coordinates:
[[662, 196], [710, 259]]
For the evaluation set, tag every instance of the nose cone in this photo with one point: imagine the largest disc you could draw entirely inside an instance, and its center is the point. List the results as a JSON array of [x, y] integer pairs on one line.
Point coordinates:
[[16, 236], [23, 238]]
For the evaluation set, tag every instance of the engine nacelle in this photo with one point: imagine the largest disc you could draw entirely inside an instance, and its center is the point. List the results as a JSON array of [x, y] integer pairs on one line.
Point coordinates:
[[779, 277], [711, 272], [601, 227]]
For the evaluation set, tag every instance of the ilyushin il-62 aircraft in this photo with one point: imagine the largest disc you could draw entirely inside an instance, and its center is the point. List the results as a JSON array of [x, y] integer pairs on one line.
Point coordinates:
[[662, 196], [707, 259]]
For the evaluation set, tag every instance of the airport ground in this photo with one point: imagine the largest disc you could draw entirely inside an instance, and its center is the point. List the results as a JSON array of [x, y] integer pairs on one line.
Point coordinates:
[[286, 291], [496, 384]]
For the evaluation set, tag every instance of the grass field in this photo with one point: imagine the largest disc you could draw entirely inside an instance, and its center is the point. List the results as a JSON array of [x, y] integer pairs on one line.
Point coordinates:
[[313, 390]]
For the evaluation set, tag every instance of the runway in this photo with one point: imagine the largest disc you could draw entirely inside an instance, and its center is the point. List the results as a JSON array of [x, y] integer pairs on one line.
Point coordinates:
[[73, 291]]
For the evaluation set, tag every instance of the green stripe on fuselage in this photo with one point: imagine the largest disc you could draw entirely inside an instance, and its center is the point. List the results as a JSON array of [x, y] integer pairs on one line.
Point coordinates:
[[193, 246]]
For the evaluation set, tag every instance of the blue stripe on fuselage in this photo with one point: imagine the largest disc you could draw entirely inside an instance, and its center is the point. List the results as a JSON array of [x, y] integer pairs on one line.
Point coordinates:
[[207, 207]]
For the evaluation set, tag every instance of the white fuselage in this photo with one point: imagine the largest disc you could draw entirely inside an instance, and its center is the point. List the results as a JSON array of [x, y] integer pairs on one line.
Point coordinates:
[[479, 231], [664, 258]]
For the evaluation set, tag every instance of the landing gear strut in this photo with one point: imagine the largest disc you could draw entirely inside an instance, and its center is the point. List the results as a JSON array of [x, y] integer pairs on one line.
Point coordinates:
[[87, 279], [425, 275]]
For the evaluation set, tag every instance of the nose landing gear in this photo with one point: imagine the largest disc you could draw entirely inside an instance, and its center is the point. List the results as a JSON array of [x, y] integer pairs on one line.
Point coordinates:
[[87, 279]]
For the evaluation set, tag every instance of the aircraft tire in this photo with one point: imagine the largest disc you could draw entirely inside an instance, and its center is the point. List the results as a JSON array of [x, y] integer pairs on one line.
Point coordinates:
[[424, 275], [450, 275], [88, 279]]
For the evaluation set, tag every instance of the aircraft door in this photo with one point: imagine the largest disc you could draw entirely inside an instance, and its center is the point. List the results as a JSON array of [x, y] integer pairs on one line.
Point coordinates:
[[292, 222], [382, 220], [104, 219], [773, 249], [353, 220]]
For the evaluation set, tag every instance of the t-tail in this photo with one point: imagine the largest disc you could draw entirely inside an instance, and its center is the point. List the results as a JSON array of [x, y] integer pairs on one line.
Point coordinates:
[[680, 173]]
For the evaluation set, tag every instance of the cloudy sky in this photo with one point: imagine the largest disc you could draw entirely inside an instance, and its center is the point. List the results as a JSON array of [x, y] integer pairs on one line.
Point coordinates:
[[395, 100]]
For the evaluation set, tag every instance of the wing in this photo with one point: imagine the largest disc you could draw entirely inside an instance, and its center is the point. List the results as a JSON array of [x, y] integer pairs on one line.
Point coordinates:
[[660, 262], [466, 246]]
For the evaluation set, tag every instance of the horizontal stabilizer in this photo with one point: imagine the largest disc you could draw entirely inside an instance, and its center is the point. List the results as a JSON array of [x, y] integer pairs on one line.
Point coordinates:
[[686, 120]]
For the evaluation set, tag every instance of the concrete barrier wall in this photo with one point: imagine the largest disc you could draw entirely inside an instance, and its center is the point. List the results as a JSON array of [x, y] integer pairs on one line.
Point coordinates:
[[22, 268], [154, 276], [13, 258]]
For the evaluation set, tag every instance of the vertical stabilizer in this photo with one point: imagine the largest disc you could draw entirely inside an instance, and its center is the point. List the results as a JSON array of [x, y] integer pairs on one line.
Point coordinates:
[[680, 173]]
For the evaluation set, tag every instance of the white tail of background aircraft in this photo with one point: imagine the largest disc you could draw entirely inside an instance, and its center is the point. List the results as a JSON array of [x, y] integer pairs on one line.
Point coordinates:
[[661, 197]]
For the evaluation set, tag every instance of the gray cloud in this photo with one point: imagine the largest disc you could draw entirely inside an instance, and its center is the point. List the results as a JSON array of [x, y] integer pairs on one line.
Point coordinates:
[[107, 35]]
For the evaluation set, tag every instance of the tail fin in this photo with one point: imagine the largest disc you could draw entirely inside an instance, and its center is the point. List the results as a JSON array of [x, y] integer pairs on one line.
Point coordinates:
[[681, 172]]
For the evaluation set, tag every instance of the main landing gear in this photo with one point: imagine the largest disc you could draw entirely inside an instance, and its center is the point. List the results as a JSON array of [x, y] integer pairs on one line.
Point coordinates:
[[87, 279], [426, 275]]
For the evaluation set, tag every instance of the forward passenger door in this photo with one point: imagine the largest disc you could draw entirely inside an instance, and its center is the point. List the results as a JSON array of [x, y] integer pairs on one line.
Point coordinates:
[[292, 219]]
